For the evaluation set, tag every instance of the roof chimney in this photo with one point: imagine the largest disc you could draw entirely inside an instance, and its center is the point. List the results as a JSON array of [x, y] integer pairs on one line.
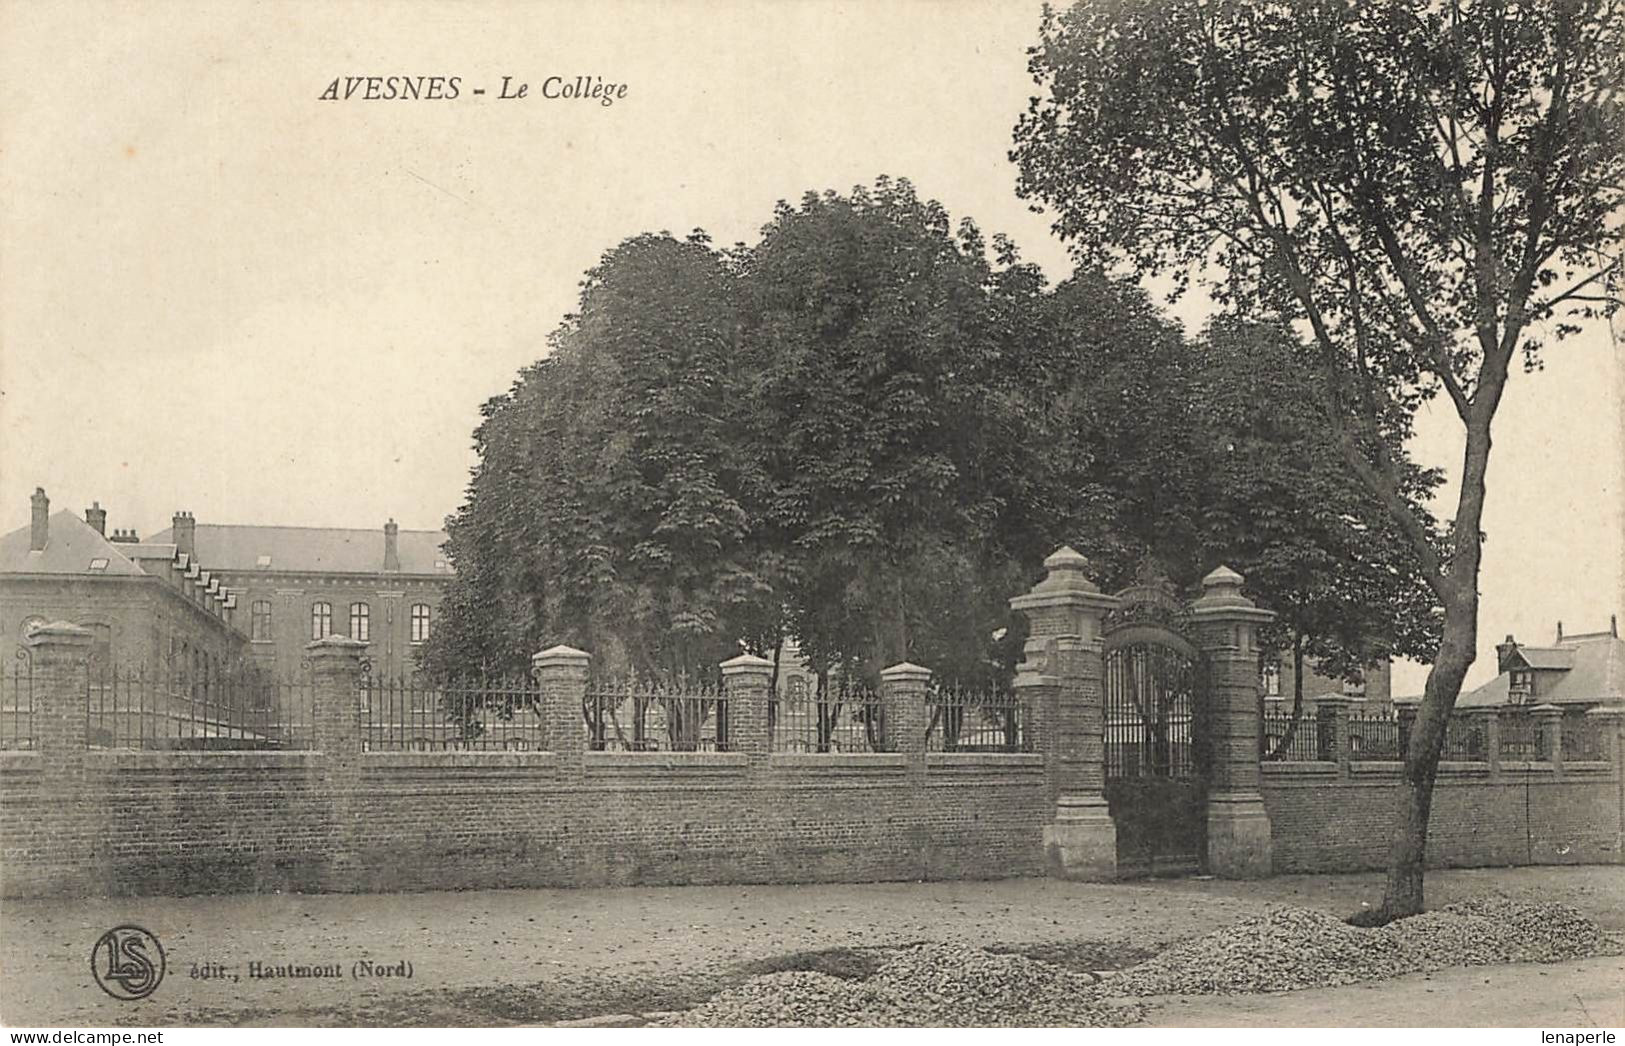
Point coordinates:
[[124, 537], [185, 533], [392, 546], [96, 516], [1504, 651], [39, 531]]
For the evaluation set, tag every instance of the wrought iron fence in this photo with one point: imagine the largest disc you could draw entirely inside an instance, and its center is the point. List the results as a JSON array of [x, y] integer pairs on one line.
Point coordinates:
[[845, 716], [130, 707], [1464, 740], [415, 715], [1517, 730], [1303, 744], [1375, 737], [1582, 737], [17, 703], [633, 715], [970, 720]]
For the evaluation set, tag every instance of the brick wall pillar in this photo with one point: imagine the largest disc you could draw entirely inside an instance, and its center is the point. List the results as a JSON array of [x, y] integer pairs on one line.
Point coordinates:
[[747, 681], [336, 676], [1038, 692], [902, 693], [59, 657], [1489, 727], [561, 675], [1549, 723], [1332, 736], [1064, 613], [1609, 722], [1238, 827], [1406, 714]]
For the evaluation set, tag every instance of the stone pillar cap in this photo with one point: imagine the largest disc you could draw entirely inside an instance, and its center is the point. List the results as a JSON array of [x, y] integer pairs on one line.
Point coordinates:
[[1617, 711], [906, 670], [560, 654], [747, 664], [1221, 591], [1546, 709]]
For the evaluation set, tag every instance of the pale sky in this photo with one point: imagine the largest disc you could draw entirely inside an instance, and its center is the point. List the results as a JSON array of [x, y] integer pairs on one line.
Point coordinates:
[[220, 294]]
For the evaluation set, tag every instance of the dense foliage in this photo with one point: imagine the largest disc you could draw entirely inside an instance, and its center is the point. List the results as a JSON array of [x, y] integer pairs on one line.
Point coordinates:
[[864, 432], [1426, 191]]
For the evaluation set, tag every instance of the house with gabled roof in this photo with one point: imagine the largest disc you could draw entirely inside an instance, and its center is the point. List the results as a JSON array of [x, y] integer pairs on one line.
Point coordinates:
[[152, 607], [1576, 671]]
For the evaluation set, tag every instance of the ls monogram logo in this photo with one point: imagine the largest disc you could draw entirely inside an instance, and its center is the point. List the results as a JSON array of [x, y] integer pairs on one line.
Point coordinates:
[[128, 963]]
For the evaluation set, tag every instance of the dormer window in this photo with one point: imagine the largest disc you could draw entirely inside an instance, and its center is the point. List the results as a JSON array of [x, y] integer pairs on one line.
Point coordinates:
[[263, 561], [1522, 679], [98, 564]]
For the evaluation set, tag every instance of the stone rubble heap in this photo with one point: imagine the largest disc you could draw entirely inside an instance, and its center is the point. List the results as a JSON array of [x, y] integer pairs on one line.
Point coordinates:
[[1283, 948], [1287, 948], [929, 985]]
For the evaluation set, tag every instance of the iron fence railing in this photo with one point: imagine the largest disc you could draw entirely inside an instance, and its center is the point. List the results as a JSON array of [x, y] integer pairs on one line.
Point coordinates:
[[971, 720], [1375, 737], [1582, 738], [635, 715], [845, 716], [1518, 736], [1465, 740], [413, 715], [17, 703], [1303, 744], [130, 707]]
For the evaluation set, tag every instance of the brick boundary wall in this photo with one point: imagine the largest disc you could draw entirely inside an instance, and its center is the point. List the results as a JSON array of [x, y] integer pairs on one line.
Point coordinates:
[[77, 821], [1524, 814], [215, 822]]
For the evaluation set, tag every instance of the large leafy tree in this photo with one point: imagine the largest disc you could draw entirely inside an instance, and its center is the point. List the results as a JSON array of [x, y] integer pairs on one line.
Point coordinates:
[[1283, 506], [609, 505], [893, 407], [1427, 190]]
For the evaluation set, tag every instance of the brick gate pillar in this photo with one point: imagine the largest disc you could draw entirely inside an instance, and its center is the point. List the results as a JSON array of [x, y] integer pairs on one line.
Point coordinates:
[[59, 657], [1238, 828], [1064, 613], [561, 675], [747, 681], [336, 675]]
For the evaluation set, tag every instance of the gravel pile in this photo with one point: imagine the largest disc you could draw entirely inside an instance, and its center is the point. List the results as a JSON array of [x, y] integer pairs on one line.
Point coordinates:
[[1282, 949], [1288, 948], [1545, 932], [929, 985]]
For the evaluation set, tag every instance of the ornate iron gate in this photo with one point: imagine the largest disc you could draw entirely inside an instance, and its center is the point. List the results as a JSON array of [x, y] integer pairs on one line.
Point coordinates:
[[1156, 750]]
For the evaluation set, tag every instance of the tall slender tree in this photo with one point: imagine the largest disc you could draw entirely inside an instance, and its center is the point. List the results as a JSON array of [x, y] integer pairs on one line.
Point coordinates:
[[1429, 191]]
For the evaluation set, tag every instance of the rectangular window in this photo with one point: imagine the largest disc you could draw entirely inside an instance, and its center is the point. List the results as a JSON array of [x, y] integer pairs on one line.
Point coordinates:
[[420, 622], [321, 620], [360, 621], [260, 618]]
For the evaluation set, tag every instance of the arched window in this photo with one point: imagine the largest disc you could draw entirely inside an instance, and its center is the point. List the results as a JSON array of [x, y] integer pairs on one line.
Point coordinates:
[[321, 620], [360, 621], [261, 620], [420, 622]]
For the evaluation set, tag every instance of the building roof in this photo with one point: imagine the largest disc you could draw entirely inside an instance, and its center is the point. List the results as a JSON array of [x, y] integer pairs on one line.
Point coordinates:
[[1595, 675], [71, 548], [1560, 657], [223, 547]]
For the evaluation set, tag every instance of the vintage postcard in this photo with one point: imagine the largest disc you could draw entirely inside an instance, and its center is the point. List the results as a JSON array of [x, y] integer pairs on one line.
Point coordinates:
[[766, 514]]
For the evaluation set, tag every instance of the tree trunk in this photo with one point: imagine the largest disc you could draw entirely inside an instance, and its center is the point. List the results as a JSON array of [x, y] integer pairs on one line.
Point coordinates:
[[1458, 647], [1406, 857]]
